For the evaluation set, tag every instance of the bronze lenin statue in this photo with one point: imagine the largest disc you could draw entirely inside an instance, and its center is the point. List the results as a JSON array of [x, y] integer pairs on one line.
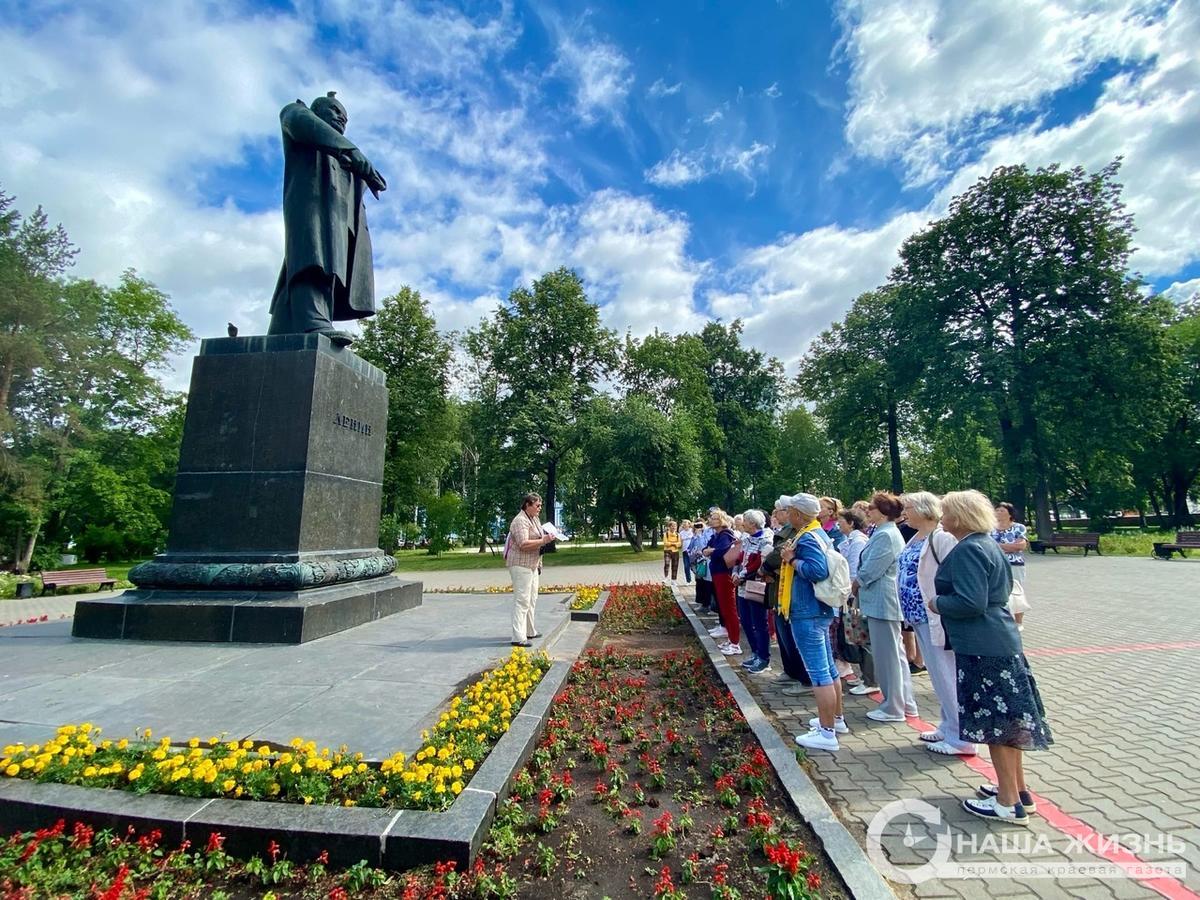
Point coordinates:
[[327, 274]]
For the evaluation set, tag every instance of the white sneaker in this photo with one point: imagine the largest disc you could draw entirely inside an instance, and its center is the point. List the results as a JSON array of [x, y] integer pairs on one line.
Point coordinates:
[[717, 633], [816, 740], [839, 724], [878, 715], [863, 689], [990, 809], [730, 649]]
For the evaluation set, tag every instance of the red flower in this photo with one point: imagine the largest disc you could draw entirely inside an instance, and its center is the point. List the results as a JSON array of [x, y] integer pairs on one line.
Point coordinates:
[[273, 851], [662, 825], [216, 841], [83, 836]]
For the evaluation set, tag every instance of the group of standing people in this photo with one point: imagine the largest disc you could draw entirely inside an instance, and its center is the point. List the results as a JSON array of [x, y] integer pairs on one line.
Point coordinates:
[[937, 588]]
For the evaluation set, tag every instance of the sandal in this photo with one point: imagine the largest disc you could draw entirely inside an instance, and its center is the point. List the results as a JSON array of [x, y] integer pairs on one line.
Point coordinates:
[[932, 737], [947, 749]]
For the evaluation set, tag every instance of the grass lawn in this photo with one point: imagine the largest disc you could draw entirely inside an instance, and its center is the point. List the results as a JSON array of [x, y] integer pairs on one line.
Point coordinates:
[[611, 554]]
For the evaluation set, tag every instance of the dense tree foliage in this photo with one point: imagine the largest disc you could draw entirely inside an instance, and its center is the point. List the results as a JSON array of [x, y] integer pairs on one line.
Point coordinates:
[[402, 339], [88, 437]]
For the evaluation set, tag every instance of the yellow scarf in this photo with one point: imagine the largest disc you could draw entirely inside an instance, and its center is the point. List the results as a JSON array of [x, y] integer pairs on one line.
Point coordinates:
[[787, 573]]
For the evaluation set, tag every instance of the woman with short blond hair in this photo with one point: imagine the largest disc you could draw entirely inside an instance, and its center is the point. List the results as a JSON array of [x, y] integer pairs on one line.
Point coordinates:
[[998, 700], [922, 557]]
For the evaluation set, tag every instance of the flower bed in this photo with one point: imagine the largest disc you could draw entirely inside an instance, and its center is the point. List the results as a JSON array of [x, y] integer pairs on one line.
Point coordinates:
[[78, 861], [431, 780], [646, 783], [641, 607], [586, 597]]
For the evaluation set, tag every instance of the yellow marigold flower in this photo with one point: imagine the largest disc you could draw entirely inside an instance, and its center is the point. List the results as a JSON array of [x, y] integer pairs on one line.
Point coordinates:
[[296, 769], [194, 742], [238, 792], [13, 771], [247, 744], [468, 764], [89, 772], [135, 774], [232, 745], [212, 741], [228, 785], [147, 734], [457, 788], [183, 772], [347, 802], [263, 750]]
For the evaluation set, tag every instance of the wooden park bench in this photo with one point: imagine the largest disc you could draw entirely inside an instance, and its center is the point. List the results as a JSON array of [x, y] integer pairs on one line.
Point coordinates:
[[1184, 541], [1088, 540], [52, 581]]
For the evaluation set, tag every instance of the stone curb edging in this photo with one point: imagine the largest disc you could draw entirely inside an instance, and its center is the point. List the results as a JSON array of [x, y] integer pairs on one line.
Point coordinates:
[[844, 852], [592, 614], [388, 838]]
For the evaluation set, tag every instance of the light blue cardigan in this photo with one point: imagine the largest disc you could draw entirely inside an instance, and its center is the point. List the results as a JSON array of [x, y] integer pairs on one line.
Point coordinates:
[[877, 593]]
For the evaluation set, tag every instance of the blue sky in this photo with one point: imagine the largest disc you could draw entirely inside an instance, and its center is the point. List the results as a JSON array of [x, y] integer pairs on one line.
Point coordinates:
[[755, 159]]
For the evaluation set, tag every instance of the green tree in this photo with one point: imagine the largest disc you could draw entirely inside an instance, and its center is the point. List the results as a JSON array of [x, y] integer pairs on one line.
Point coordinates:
[[744, 385], [545, 352], [441, 520], [858, 380], [402, 339], [1168, 469], [1026, 269], [640, 464], [77, 359]]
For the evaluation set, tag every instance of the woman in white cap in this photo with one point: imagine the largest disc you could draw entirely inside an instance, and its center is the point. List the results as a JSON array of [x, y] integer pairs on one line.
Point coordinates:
[[810, 620]]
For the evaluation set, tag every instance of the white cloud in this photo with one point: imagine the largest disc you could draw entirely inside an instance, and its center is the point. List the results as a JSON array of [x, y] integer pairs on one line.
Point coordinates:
[[677, 169], [680, 168], [600, 76], [661, 89], [1182, 291], [795, 288], [926, 75], [1152, 119], [635, 259], [713, 117], [773, 91]]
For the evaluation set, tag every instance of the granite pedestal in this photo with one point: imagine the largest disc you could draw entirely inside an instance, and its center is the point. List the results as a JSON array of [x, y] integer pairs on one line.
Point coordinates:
[[275, 527]]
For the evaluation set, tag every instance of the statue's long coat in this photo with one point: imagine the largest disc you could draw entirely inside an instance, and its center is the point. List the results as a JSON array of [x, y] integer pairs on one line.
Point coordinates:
[[325, 223]]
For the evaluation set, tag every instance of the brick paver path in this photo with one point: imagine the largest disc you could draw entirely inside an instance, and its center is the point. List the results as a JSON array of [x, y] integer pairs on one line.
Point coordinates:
[[1115, 646]]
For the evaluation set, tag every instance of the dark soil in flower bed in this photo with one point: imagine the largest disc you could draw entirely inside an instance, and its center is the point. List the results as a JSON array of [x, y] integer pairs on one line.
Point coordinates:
[[665, 777]]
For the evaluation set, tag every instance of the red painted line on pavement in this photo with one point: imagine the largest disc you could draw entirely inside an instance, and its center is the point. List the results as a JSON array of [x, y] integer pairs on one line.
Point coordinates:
[[1072, 827], [1113, 648]]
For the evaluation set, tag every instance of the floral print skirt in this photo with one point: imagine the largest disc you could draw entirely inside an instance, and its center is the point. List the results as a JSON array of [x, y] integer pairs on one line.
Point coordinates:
[[999, 703]]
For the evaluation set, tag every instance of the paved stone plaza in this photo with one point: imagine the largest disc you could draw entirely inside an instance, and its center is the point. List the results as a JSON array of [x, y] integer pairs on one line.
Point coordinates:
[[1115, 646]]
